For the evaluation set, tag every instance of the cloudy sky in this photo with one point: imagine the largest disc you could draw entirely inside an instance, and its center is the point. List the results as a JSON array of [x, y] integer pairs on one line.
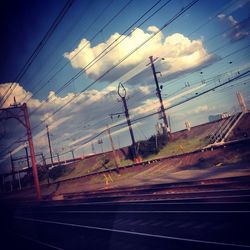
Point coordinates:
[[65, 59]]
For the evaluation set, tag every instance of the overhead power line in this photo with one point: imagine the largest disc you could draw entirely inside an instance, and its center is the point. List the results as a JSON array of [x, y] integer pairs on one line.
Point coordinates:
[[19, 139], [67, 36], [181, 12], [103, 53], [133, 121], [197, 95], [38, 84], [35, 53], [177, 15], [91, 39], [245, 74]]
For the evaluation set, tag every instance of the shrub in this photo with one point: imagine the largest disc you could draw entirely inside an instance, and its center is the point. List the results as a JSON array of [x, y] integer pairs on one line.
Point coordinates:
[[148, 147], [56, 172]]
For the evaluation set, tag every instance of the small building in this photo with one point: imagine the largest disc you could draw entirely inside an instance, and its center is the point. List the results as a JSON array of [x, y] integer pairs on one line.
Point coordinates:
[[212, 118]]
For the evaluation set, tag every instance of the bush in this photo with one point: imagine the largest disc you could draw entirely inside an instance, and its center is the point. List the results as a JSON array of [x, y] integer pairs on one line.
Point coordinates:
[[42, 173], [148, 147], [59, 171], [106, 163], [56, 172]]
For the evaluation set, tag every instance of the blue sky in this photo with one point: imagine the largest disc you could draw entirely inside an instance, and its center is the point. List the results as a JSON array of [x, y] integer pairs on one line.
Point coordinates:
[[211, 37]]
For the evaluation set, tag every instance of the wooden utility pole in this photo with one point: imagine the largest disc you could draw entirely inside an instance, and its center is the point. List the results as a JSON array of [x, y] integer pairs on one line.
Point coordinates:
[[116, 157], [241, 101], [93, 147], [58, 157], [27, 157], [19, 180], [50, 150], [12, 169], [73, 156], [158, 91], [44, 160]]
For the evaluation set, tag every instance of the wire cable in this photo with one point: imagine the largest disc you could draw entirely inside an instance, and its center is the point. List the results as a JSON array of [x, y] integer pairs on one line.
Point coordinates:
[[39, 47]]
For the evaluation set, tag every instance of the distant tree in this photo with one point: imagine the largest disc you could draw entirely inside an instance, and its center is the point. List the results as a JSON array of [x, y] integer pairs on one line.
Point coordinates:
[[56, 172], [148, 147]]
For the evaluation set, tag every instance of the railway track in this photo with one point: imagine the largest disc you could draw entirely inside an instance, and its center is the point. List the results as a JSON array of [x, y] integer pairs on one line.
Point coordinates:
[[241, 143], [227, 187], [205, 214], [132, 225]]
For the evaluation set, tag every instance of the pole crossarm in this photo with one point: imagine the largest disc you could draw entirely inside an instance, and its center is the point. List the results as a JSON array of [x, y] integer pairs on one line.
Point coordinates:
[[23, 117], [118, 113], [24, 157], [10, 114]]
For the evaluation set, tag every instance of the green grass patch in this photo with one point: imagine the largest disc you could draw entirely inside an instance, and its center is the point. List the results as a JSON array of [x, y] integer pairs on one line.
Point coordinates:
[[179, 147], [126, 162], [101, 163]]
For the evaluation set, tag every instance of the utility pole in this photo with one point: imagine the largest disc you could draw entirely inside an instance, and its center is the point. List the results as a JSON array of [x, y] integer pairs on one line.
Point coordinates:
[[169, 123], [72, 152], [50, 151], [19, 180], [241, 101], [44, 160], [32, 151], [23, 118], [100, 142], [158, 90], [122, 93], [12, 169], [47, 168], [116, 159], [27, 157], [93, 147], [58, 157]]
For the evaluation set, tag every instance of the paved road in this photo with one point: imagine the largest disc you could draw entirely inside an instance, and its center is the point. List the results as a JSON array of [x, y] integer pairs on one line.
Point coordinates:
[[170, 224]]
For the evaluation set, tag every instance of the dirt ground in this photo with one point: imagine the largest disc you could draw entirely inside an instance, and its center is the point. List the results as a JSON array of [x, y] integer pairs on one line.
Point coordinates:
[[226, 161]]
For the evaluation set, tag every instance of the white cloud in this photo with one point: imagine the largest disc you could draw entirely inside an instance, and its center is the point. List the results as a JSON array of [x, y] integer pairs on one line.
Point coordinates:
[[18, 92], [180, 53], [234, 6], [239, 30], [184, 93], [199, 109], [221, 16], [232, 21], [84, 116], [152, 105], [148, 106], [145, 90]]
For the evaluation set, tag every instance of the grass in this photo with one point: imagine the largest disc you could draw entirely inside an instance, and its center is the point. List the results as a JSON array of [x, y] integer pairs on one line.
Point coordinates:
[[82, 168], [174, 147], [180, 146], [124, 162]]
